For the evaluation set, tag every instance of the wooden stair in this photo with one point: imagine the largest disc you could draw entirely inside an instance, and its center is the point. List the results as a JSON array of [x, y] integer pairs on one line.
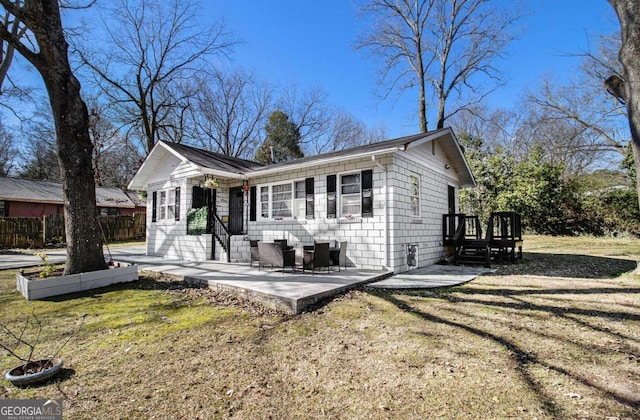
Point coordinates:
[[502, 240]]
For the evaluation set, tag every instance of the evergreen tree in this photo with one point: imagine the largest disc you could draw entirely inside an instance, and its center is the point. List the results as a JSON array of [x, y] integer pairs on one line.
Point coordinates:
[[284, 136]]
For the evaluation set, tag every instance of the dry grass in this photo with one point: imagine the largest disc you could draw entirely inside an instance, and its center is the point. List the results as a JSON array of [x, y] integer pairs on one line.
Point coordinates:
[[556, 336]]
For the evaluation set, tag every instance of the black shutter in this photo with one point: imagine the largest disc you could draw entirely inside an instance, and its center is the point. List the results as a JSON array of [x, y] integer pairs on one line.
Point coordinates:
[[367, 193], [252, 204], [308, 191], [177, 203], [197, 197], [153, 206], [331, 197]]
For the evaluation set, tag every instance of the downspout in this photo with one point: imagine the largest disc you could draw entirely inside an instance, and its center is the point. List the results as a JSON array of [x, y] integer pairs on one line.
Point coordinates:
[[385, 212]]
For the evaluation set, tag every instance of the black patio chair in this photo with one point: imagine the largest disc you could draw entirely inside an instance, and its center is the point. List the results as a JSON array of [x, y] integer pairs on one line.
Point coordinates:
[[273, 255], [339, 256], [317, 257]]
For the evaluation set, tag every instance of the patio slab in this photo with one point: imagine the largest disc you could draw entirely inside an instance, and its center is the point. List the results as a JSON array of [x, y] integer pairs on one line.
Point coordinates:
[[432, 276], [291, 292]]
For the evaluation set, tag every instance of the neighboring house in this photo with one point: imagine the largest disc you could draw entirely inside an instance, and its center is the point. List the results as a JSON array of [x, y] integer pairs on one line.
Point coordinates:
[[30, 198], [386, 199]]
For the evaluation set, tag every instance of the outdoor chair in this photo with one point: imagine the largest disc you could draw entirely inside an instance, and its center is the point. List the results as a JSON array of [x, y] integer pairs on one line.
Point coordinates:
[[339, 256], [317, 257], [273, 255], [255, 253]]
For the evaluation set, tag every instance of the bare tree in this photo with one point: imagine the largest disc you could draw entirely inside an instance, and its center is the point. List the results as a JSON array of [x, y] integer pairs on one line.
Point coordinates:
[[230, 112], [45, 47], [442, 47], [115, 159], [628, 12], [345, 132], [578, 122], [309, 111], [7, 49], [8, 152], [38, 133], [148, 57]]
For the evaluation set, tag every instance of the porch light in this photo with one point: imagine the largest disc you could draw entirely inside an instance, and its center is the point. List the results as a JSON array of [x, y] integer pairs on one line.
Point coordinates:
[[245, 185]]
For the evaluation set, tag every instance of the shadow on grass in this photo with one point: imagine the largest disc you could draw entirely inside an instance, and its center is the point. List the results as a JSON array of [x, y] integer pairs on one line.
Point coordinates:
[[524, 360], [567, 265]]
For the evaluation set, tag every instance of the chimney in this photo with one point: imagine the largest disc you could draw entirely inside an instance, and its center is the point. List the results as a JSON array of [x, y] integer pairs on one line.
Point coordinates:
[[273, 156]]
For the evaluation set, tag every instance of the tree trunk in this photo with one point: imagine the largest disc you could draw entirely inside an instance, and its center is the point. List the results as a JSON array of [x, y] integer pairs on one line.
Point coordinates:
[[84, 247], [628, 12]]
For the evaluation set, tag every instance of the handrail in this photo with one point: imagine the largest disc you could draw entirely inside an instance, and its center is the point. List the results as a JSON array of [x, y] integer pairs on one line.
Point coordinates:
[[222, 234]]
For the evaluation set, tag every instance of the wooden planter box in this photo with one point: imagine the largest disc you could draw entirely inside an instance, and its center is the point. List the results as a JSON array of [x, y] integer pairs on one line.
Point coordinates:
[[61, 285]]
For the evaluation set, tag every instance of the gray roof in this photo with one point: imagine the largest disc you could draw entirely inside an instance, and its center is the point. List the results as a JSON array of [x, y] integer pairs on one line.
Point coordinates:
[[213, 160], [29, 190], [206, 162], [367, 148]]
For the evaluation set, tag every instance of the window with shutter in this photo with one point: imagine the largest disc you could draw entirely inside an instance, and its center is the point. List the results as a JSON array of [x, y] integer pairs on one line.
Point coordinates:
[[309, 205], [154, 207], [252, 208], [331, 197], [177, 194], [367, 193]]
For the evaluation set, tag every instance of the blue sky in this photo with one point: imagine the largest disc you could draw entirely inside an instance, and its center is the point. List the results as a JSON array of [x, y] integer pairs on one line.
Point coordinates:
[[310, 43]]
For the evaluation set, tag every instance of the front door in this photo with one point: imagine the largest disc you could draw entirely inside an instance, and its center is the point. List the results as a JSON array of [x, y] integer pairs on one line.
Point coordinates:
[[452, 199], [236, 212]]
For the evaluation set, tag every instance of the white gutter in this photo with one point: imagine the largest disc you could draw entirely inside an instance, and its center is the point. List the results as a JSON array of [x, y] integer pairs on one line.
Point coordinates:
[[384, 211], [319, 162]]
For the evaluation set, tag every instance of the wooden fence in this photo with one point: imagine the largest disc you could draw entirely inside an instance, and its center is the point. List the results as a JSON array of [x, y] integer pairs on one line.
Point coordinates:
[[36, 232]]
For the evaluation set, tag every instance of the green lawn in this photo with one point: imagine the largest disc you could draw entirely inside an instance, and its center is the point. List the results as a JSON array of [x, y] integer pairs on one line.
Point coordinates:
[[555, 336]]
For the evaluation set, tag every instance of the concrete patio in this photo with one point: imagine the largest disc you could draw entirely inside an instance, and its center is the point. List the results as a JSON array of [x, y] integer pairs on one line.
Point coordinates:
[[290, 292]]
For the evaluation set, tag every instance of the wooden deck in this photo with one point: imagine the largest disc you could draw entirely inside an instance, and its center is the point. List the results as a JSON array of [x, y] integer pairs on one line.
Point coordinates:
[[502, 240]]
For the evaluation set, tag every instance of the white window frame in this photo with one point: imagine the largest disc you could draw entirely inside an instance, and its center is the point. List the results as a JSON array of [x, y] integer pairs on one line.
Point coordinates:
[[414, 195], [166, 204], [299, 203], [266, 202], [341, 212]]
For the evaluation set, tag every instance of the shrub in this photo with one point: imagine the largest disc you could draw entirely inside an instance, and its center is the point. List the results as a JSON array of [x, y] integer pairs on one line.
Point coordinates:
[[197, 221]]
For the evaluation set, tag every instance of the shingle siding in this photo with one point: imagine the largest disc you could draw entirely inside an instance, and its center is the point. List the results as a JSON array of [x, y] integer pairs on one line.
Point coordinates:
[[369, 241]]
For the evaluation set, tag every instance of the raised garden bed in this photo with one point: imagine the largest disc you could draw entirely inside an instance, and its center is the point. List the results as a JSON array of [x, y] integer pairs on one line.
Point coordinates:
[[33, 289]]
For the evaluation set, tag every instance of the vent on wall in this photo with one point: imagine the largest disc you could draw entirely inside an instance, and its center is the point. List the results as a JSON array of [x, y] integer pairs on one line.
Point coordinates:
[[412, 255]]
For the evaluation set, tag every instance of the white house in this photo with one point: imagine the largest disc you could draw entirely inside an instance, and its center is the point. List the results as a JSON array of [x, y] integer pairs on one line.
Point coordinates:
[[386, 199]]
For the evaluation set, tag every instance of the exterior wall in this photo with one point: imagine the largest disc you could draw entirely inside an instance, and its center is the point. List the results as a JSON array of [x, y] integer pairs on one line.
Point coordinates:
[[24, 209], [424, 231], [366, 248], [370, 244], [169, 238]]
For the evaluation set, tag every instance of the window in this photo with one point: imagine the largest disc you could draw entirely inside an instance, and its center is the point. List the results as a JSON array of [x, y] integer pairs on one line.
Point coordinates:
[[108, 211], [4, 209], [414, 195], [350, 199], [167, 205], [264, 202], [354, 197], [281, 200], [286, 200], [299, 200]]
